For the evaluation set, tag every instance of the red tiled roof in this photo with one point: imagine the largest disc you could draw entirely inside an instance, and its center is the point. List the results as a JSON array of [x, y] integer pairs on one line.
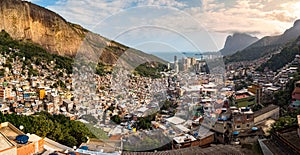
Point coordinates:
[[115, 137]]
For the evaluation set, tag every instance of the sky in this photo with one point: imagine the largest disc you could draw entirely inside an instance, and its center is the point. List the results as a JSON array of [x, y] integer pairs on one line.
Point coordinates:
[[177, 25]]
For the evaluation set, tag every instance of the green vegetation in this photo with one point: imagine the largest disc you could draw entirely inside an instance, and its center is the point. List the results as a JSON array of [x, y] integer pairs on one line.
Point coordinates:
[[145, 122], [102, 69], [56, 127], [33, 53], [283, 98], [116, 119], [257, 107], [78, 27], [150, 70], [167, 104], [246, 103], [145, 143], [252, 53], [90, 118], [99, 133], [242, 84], [243, 102], [284, 122], [2, 71], [59, 83], [279, 60]]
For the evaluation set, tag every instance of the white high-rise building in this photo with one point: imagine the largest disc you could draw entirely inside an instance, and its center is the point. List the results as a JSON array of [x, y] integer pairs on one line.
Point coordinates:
[[176, 66]]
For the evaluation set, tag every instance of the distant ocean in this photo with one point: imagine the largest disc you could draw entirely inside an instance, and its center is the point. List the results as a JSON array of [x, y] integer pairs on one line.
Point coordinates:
[[169, 56]]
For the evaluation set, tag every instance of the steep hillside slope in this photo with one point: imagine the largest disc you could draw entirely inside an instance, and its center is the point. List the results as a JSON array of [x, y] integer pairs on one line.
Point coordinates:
[[237, 42], [31, 23], [266, 45]]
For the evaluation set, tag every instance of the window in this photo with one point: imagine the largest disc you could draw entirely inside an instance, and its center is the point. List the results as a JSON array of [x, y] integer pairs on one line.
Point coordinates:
[[248, 125], [248, 117], [238, 126]]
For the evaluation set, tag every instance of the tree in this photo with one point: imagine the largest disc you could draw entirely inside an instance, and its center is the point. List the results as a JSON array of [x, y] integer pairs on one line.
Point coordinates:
[[2, 72], [38, 61], [257, 107], [60, 74], [57, 127], [284, 122], [69, 141], [116, 119], [143, 124]]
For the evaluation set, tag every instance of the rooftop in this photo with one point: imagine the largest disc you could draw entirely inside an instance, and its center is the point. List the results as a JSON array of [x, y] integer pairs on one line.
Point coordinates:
[[184, 138], [52, 145], [192, 88], [265, 110], [10, 131], [273, 88], [182, 128], [175, 120], [275, 147], [216, 149], [109, 146], [4, 143], [291, 136], [240, 96]]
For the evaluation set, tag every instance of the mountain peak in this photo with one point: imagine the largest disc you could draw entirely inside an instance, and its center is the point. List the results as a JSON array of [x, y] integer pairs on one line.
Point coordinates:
[[297, 22], [267, 45], [240, 34], [236, 42]]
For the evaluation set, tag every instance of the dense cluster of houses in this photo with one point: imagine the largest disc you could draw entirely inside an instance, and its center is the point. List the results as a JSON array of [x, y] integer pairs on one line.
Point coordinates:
[[208, 109]]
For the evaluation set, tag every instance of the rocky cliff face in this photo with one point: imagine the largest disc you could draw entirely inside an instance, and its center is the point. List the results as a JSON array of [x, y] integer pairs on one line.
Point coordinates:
[[289, 35], [26, 21], [267, 45], [236, 42]]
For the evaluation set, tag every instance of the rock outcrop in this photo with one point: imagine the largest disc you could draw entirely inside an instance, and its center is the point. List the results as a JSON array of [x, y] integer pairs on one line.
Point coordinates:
[[29, 22], [26, 21]]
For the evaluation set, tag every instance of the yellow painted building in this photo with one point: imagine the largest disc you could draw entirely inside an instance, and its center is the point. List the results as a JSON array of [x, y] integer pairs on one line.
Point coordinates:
[[42, 94]]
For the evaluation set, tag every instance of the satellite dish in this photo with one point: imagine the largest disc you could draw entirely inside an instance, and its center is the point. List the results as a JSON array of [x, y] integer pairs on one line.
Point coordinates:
[[21, 127]]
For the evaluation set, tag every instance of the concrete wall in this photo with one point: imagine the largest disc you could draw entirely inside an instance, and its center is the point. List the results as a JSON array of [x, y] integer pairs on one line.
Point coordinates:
[[28, 149], [271, 114], [219, 137], [207, 140], [220, 127], [41, 145], [245, 121], [10, 151], [247, 125]]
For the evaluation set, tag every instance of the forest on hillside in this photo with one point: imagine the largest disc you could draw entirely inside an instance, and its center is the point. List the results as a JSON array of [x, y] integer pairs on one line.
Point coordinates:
[[56, 127]]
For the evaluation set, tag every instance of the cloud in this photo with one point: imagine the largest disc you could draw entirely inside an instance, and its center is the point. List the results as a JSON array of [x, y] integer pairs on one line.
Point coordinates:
[[253, 17], [88, 12], [282, 16], [198, 17], [32, 1]]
